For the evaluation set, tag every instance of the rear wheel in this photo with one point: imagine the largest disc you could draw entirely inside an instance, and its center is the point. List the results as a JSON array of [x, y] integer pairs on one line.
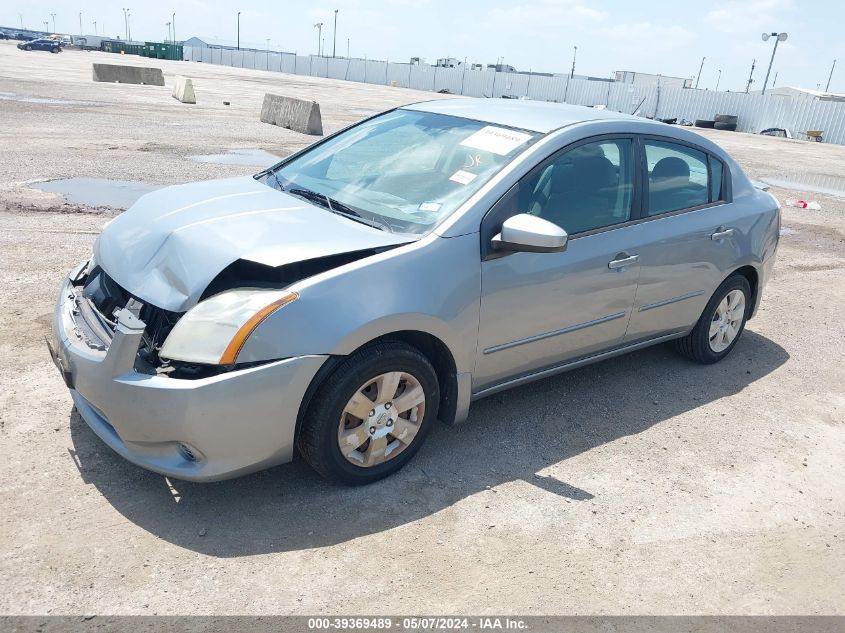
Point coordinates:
[[721, 323], [371, 415]]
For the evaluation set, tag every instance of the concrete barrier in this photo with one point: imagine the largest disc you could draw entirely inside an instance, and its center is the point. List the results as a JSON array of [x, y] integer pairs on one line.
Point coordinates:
[[183, 90], [298, 115], [112, 73]]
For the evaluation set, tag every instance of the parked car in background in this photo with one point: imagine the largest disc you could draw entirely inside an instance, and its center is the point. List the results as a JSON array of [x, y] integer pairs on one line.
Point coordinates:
[[41, 44], [343, 300], [5, 35]]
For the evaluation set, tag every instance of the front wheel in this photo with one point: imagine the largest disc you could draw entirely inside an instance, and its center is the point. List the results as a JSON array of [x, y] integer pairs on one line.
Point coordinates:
[[371, 415], [27, 48], [54, 50], [721, 323]]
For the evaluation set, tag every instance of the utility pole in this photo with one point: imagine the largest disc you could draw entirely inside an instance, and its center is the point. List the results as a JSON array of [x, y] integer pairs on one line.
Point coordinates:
[[319, 27], [128, 25], [125, 24], [718, 79], [574, 55], [750, 75], [334, 43], [779, 37], [239, 30], [53, 15], [167, 24], [697, 79], [80, 24], [827, 87], [173, 20]]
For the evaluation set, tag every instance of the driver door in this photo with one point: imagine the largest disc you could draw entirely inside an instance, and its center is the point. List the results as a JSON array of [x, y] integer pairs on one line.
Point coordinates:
[[539, 310]]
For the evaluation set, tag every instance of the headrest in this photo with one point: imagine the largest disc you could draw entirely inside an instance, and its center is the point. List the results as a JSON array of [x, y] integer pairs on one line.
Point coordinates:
[[670, 167]]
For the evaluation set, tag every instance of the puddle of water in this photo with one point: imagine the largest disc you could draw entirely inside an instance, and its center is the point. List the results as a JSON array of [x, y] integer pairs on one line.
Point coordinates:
[[11, 96], [256, 157], [98, 192], [817, 183]]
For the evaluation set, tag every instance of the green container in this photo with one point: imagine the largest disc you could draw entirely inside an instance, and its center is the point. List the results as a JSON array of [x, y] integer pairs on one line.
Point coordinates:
[[161, 50]]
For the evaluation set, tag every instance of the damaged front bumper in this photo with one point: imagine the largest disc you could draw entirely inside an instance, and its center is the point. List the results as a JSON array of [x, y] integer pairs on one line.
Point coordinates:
[[198, 430]]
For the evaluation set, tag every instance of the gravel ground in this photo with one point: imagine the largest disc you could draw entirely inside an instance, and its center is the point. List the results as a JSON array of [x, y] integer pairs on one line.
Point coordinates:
[[641, 485]]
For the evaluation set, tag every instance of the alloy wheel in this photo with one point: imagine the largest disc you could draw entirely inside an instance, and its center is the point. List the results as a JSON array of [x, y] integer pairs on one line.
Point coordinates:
[[727, 321], [381, 419]]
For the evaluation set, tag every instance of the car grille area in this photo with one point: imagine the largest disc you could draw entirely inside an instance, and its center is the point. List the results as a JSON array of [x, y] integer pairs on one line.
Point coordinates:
[[98, 303]]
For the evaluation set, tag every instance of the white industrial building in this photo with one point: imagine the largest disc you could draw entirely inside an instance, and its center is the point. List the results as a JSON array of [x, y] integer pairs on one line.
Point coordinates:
[[648, 79]]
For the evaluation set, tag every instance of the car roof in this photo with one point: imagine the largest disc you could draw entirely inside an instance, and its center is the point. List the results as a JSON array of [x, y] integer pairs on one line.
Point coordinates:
[[538, 116]]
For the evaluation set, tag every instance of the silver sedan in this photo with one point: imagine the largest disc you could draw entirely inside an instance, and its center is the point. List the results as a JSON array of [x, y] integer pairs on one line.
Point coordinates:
[[342, 301]]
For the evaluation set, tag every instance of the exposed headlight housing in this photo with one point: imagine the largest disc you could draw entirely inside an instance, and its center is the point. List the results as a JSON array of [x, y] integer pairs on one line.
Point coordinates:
[[214, 331]]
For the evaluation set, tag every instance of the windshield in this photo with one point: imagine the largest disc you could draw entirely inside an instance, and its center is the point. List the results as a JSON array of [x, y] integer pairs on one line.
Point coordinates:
[[403, 171]]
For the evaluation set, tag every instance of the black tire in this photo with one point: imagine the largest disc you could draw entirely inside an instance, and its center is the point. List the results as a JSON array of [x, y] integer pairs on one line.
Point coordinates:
[[696, 344], [54, 50], [318, 441], [726, 118], [704, 123], [27, 48], [727, 127]]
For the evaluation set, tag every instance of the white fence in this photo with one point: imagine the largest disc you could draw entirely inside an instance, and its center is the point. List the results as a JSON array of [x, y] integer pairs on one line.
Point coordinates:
[[755, 112]]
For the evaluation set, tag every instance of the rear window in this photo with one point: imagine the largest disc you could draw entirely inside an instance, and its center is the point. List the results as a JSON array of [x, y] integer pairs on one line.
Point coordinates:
[[716, 189], [677, 177]]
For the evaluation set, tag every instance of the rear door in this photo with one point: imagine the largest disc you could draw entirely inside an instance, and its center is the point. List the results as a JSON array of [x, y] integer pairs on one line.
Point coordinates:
[[689, 240], [543, 309]]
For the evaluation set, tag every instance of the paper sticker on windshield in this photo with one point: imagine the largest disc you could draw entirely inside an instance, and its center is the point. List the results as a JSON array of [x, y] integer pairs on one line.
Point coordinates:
[[462, 177], [497, 140], [430, 207]]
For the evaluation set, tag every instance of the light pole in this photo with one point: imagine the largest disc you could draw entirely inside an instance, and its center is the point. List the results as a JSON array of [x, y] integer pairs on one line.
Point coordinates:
[[167, 24], [173, 20], [827, 87], [334, 39], [574, 55], [80, 24], [125, 24], [239, 30], [20, 15], [128, 24], [46, 25], [319, 27], [347, 48], [718, 79], [53, 15], [697, 79], [94, 22], [779, 37]]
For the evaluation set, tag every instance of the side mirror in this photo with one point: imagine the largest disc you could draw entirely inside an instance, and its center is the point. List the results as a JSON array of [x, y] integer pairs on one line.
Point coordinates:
[[529, 233]]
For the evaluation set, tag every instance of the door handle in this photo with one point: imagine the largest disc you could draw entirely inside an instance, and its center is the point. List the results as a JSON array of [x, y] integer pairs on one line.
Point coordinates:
[[721, 234], [622, 262]]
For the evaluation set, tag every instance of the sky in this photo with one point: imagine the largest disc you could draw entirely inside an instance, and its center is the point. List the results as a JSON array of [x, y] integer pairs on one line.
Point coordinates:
[[647, 36]]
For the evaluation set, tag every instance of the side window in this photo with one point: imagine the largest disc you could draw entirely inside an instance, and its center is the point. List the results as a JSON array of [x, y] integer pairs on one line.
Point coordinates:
[[585, 188], [716, 168], [677, 177]]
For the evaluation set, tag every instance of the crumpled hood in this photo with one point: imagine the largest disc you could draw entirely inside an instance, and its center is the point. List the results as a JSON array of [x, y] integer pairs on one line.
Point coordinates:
[[173, 242]]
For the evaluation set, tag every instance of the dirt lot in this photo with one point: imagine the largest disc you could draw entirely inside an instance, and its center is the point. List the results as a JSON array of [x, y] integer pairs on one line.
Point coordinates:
[[644, 484]]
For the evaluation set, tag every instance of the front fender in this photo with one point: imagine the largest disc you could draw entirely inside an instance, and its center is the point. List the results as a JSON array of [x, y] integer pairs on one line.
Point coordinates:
[[431, 286]]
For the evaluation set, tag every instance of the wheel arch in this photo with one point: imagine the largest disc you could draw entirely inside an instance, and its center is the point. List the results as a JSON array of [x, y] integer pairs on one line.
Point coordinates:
[[753, 277], [432, 347]]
